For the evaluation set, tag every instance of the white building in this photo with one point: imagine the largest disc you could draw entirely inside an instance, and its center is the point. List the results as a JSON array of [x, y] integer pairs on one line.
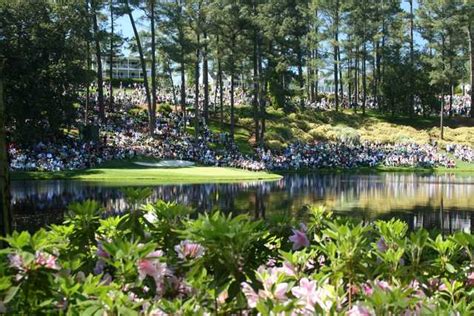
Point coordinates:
[[124, 67]]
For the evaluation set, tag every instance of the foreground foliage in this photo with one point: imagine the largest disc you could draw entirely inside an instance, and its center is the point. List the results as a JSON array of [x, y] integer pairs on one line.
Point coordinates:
[[162, 258]]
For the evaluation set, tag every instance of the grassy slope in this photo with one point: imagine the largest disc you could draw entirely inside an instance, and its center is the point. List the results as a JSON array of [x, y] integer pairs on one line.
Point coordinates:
[[332, 125], [126, 171], [280, 129], [317, 125]]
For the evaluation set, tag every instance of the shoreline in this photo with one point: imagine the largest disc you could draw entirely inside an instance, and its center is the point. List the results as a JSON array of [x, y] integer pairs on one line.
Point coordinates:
[[208, 174], [131, 176], [379, 169]]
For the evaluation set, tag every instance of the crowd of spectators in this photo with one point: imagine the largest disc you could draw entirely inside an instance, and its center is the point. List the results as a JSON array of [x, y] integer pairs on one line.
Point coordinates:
[[461, 152], [125, 135]]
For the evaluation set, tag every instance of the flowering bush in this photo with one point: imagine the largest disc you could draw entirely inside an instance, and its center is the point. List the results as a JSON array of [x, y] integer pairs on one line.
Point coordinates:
[[163, 259]]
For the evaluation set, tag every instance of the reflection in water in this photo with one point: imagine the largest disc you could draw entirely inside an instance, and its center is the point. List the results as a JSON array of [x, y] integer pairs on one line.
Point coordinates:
[[444, 202]]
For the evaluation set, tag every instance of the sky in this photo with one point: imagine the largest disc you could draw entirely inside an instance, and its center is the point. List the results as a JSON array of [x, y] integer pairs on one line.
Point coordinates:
[[123, 24]]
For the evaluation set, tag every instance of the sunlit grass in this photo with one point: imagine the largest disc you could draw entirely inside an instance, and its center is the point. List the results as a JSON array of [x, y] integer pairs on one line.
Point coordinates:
[[126, 171]]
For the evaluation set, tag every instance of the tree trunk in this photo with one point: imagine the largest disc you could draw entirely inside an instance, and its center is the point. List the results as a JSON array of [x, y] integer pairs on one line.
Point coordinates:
[[5, 210], [111, 56], [152, 111], [151, 119], [356, 79], [349, 83], [471, 60], [316, 75], [441, 117], [183, 91], [262, 95], [232, 83], [255, 87], [374, 75], [311, 77], [232, 118], [451, 100], [379, 78], [205, 81], [336, 49], [173, 90], [300, 74], [341, 83], [89, 63], [349, 72], [412, 61], [196, 91], [98, 54], [221, 92], [364, 78]]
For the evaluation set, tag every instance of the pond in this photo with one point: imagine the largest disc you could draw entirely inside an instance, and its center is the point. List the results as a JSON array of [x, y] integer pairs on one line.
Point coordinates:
[[442, 202]]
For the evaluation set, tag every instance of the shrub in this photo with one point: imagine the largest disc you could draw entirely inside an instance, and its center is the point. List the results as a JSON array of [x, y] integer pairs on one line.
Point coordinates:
[[318, 134], [274, 145], [163, 259], [346, 134], [165, 109]]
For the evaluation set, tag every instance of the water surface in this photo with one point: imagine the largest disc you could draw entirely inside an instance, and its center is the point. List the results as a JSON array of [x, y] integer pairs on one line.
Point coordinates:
[[442, 202]]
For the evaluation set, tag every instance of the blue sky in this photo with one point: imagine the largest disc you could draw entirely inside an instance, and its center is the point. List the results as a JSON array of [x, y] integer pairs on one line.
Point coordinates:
[[123, 23]]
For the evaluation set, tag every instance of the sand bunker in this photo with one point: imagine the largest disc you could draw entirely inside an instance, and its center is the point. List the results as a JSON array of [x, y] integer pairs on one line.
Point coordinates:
[[166, 164]]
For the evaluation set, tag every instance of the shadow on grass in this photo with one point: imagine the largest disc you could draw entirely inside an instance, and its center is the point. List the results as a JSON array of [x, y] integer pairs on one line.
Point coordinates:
[[57, 175], [98, 170]]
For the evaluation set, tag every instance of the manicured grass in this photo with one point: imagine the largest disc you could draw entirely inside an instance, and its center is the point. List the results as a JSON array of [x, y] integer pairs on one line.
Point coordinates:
[[126, 171]]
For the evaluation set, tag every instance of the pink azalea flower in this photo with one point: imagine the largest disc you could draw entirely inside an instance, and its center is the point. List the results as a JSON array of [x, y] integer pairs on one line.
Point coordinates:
[[153, 267], [299, 238], [288, 269], [470, 279], [271, 262], [416, 286], [359, 310], [46, 260], [250, 295], [280, 291], [442, 287], [16, 261], [158, 312], [433, 283], [306, 293], [222, 297], [323, 299], [367, 289], [321, 260], [189, 250], [383, 285]]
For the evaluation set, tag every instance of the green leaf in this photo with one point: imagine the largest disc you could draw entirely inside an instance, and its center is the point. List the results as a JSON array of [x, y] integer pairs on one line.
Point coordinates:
[[450, 268], [11, 294]]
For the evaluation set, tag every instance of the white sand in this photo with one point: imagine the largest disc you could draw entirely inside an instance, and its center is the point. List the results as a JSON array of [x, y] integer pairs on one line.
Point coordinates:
[[166, 164]]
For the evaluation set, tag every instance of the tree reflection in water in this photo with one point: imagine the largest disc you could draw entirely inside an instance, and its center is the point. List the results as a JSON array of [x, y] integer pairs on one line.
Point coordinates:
[[444, 202]]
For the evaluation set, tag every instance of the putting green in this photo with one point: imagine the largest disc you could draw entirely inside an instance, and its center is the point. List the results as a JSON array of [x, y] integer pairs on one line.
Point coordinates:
[[151, 175]]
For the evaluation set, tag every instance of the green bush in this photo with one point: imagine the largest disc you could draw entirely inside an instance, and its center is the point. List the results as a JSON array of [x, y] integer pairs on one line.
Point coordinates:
[[274, 145], [165, 109], [163, 259], [346, 134], [283, 131]]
